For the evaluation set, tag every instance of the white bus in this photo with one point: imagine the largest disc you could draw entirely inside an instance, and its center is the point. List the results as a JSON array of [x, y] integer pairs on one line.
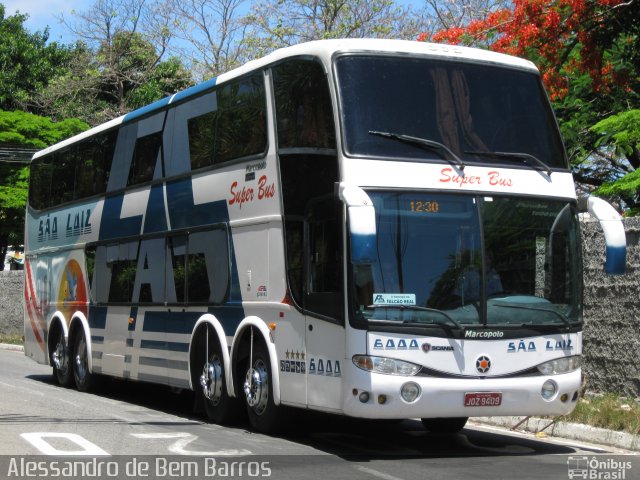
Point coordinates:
[[378, 229]]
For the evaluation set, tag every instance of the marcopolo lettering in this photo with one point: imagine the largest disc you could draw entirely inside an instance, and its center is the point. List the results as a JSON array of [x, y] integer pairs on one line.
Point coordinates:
[[482, 334]]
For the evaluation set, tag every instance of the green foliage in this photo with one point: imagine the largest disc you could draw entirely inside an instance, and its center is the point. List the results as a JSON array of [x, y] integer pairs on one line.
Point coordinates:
[[13, 195], [620, 131], [608, 411], [629, 185], [29, 130], [36, 131], [619, 135], [164, 79], [27, 62]]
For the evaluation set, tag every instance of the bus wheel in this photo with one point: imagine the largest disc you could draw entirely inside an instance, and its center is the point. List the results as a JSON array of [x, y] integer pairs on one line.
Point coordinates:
[[218, 405], [258, 391], [81, 373], [62, 370], [445, 425]]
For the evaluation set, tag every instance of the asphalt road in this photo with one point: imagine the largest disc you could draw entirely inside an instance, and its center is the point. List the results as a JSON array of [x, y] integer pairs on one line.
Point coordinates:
[[132, 430]]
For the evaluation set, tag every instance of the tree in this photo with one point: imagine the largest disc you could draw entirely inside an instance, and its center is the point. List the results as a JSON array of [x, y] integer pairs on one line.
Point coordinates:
[[588, 56], [27, 62], [121, 49], [212, 33], [278, 24], [26, 130], [620, 135], [458, 14]]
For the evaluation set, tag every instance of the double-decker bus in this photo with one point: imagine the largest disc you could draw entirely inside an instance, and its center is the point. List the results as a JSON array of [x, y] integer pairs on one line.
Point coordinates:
[[373, 228]]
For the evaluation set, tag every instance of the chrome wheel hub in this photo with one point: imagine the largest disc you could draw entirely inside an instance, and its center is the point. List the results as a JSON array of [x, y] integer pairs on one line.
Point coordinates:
[[81, 359], [256, 387], [211, 381], [59, 356]]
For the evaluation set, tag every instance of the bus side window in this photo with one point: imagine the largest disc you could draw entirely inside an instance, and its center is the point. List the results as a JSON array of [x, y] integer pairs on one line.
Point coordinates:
[[90, 265], [176, 269], [40, 183], [208, 266], [122, 262], [309, 170], [303, 103], [324, 259], [145, 158], [64, 175], [235, 128]]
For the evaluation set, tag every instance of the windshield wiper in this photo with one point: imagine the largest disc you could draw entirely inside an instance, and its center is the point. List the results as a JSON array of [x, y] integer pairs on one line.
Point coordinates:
[[558, 314], [422, 309], [526, 157], [440, 148]]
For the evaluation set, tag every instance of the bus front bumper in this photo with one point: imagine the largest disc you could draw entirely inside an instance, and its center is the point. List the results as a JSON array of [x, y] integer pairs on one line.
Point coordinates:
[[371, 395]]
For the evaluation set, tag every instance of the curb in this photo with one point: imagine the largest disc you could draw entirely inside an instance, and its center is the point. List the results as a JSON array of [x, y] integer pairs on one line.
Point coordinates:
[[572, 431], [12, 347]]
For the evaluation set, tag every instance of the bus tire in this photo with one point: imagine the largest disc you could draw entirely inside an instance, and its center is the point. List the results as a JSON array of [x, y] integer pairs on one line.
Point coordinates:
[[83, 377], [264, 414], [62, 368], [210, 383], [445, 425]]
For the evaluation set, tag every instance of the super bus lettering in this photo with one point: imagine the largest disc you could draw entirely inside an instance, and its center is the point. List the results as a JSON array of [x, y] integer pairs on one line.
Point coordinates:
[[247, 194], [493, 178]]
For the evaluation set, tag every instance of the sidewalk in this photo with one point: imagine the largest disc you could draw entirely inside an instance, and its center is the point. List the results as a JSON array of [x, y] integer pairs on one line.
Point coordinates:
[[573, 431], [9, 346], [539, 426]]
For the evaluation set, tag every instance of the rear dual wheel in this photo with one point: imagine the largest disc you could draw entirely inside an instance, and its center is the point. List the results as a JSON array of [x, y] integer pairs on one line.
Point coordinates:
[[62, 368], [85, 380], [211, 384], [264, 415]]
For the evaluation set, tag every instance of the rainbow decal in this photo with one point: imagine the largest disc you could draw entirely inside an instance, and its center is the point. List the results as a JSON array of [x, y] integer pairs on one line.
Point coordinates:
[[72, 294], [31, 306]]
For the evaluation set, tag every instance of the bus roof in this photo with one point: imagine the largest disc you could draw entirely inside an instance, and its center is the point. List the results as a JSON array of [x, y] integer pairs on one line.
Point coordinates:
[[320, 48]]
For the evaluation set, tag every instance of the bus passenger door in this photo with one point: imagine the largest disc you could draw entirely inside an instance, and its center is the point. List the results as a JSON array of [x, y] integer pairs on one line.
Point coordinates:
[[324, 304]]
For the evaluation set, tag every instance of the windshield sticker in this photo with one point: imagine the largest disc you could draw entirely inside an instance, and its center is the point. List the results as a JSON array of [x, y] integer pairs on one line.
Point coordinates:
[[394, 299]]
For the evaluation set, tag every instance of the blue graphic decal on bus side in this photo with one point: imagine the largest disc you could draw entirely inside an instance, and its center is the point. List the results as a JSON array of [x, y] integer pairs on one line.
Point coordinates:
[[184, 322], [183, 213], [169, 346], [155, 220], [133, 316], [112, 225], [97, 317], [160, 104], [195, 90]]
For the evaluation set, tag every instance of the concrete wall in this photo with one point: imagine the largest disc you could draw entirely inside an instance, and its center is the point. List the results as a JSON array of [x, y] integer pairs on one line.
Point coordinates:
[[612, 313], [11, 318]]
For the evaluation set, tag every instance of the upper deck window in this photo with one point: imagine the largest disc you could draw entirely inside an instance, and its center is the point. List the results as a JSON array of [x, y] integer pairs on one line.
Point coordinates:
[[235, 128], [482, 113], [303, 106]]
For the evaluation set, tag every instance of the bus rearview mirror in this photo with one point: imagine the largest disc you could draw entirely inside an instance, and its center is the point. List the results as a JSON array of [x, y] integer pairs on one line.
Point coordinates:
[[614, 234], [362, 223]]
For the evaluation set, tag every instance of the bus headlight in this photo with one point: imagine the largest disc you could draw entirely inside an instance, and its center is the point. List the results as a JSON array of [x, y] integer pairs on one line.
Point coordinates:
[[386, 366], [560, 365]]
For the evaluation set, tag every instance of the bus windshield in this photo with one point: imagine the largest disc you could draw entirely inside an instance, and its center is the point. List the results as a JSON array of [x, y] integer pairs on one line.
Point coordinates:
[[459, 260], [417, 109]]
